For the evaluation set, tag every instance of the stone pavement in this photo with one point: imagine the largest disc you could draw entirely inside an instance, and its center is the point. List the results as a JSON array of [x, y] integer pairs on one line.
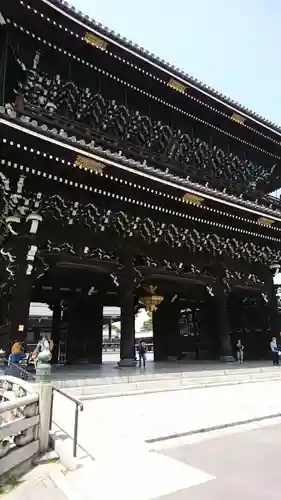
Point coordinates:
[[148, 417], [37, 485], [140, 476], [115, 433], [243, 465]]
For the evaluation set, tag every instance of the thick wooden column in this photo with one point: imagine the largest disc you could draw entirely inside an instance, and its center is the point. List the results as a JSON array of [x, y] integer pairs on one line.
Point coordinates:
[[160, 333], [4, 323], [272, 304], [4, 307], [109, 329], [20, 293], [84, 332], [95, 330], [222, 320], [166, 331], [126, 290], [56, 322]]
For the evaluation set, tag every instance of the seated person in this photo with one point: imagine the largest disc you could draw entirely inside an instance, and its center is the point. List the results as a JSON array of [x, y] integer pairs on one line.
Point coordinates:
[[17, 353]]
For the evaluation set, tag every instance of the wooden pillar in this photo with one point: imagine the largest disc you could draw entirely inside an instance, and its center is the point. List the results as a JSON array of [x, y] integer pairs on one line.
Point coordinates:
[[84, 332], [160, 334], [222, 320], [109, 329], [166, 331], [20, 293], [56, 322], [94, 329], [4, 307], [272, 305], [126, 290]]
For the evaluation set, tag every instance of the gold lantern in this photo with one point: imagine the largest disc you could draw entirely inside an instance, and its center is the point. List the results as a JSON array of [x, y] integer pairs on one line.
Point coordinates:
[[151, 301]]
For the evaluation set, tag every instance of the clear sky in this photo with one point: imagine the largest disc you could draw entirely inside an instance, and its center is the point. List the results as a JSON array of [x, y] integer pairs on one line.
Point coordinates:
[[231, 45]]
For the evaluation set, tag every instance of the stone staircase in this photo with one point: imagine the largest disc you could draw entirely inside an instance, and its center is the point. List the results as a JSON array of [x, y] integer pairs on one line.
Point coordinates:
[[145, 383]]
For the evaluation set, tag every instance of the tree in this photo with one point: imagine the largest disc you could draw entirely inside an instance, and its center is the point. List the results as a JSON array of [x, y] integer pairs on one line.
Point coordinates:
[[116, 329], [147, 324]]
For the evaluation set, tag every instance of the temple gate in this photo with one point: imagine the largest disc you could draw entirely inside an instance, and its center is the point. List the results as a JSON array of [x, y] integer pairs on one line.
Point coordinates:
[[122, 178]]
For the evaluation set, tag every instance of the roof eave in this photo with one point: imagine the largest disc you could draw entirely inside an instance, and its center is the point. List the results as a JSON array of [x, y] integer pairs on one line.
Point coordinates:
[[112, 160], [161, 65]]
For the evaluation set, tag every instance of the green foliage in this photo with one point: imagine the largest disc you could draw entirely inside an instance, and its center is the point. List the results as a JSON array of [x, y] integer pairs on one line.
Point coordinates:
[[116, 329], [147, 324]]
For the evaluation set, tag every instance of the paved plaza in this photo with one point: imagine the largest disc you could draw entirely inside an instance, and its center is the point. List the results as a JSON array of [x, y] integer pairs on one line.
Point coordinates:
[[154, 435], [125, 456], [235, 463], [149, 417], [243, 465], [121, 435]]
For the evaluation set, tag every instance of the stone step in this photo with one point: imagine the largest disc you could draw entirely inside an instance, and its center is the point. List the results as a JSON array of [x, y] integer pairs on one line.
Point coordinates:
[[169, 382], [118, 478]]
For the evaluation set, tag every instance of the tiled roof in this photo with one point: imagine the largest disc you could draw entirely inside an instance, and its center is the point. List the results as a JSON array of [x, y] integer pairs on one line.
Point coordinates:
[[141, 166], [127, 44]]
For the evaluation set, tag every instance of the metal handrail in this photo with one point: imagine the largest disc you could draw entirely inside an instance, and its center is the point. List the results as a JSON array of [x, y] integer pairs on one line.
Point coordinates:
[[78, 404], [19, 367]]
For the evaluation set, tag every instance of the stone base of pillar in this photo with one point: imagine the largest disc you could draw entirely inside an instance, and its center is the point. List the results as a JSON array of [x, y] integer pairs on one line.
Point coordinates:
[[127, 362], [43, 372], [227, 359]]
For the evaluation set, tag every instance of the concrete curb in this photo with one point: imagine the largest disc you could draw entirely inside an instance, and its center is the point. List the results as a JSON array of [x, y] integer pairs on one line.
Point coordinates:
[[139, 392], [211, 428]]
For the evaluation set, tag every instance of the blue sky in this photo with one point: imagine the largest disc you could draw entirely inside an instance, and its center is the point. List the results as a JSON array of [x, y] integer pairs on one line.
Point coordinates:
[[231, 45]]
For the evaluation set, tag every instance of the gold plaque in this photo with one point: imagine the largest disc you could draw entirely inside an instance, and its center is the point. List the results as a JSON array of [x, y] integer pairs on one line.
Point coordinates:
[[193, 198], [95, 41], [178, 86], [238, 118], [265, 221], [89, 164]]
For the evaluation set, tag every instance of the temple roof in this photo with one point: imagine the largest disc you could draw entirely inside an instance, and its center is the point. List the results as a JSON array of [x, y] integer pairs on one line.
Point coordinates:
[[199, 143], [140, 52], [41, 130]]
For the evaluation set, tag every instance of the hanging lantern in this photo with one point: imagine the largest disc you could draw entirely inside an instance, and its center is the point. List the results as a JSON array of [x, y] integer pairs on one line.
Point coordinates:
[[151, 301]]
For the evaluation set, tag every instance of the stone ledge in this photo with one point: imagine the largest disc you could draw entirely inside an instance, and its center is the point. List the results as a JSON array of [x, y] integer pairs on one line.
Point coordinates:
[[138, 390]]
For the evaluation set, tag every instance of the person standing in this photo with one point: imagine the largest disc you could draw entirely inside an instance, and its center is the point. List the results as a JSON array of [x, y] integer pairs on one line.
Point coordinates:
[[275, 351], [142, 353], [240, 352]]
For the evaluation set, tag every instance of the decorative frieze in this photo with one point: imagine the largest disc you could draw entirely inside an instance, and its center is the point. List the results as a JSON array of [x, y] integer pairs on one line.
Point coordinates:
[[201, 161]]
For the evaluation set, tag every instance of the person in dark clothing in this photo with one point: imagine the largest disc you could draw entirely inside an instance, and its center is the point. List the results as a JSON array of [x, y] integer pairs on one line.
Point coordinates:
[[142, 353], [275, 351], [240, 352]]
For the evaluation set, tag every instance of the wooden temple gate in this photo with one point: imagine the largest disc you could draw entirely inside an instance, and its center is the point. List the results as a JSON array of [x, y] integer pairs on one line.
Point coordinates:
[[123, 180]]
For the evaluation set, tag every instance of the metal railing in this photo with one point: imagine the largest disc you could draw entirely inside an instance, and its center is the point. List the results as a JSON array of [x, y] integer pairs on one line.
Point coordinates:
[[24, 374], [78, 407]]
